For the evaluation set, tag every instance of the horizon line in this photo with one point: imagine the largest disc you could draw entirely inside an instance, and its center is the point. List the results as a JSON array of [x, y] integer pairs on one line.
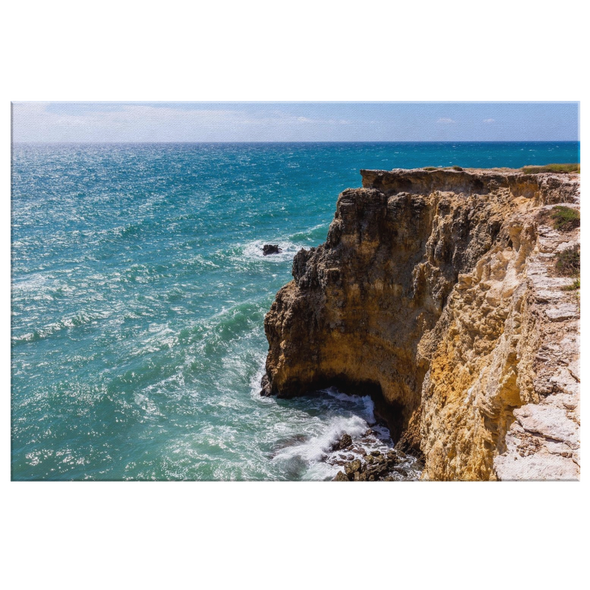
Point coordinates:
[[292, 142]]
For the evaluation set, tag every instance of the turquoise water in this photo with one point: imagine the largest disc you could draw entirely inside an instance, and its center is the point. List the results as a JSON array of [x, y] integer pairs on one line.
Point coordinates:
[[138, 296]]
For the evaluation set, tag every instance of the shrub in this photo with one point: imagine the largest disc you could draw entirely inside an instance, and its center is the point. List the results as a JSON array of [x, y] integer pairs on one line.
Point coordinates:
[[567, 262], [458, 168], [565, 218], [574, 286]]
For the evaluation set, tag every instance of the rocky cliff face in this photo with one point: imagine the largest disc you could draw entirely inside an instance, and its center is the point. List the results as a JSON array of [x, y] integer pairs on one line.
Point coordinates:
[[434, 294]]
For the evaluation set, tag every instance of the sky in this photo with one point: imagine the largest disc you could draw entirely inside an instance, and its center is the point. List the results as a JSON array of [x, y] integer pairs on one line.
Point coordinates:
[[98, 122]]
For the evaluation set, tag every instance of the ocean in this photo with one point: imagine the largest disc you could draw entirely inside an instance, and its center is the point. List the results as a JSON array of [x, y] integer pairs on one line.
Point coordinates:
[[139, 291]]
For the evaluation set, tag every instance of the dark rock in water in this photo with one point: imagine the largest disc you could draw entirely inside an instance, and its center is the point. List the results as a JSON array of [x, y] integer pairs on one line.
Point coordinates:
[[271, 249], [340, 477], [344, 442], [291, 440], [266, 388]]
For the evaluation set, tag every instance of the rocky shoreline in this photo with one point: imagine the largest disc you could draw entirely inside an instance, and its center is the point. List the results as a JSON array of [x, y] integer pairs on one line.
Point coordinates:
[[436, 294], [393, 465], [372, 457]]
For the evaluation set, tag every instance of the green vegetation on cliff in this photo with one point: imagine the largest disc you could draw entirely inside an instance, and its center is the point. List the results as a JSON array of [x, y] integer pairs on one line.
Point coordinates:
[[565, 218], [565, 168]]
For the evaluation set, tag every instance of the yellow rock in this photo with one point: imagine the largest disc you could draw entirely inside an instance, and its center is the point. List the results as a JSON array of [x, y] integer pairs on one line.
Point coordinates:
[[421, 298]]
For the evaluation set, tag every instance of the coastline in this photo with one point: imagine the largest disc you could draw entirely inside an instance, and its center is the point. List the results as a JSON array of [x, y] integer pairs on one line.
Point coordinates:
[[435, 293], [145, 301]]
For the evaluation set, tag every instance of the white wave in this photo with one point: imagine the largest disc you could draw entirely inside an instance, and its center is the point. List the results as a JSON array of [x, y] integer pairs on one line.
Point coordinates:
[[316, 447], [304, 443], [256, 380], [310, 453], [364, 402], [34, 282], [82, 318], [321, 471]]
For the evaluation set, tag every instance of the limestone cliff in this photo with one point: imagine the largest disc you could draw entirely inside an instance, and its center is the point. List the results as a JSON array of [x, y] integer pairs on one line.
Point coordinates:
[[434, 293]]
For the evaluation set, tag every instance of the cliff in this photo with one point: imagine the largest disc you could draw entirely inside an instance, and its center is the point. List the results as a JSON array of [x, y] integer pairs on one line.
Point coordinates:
[[436, 293]]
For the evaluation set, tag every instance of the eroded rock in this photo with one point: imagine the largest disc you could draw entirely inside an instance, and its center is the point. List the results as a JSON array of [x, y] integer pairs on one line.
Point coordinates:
[[434, 294], [375, 467]]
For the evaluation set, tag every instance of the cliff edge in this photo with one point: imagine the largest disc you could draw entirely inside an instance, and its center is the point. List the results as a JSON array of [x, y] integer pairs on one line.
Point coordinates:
[[436, 292]]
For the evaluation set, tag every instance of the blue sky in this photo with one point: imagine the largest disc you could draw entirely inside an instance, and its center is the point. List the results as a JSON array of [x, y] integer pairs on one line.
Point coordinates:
[[233, 121]]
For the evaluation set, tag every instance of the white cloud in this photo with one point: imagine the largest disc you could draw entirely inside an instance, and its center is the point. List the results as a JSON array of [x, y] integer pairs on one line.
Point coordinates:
[[328, 121], [446, 121], [489, 120]]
